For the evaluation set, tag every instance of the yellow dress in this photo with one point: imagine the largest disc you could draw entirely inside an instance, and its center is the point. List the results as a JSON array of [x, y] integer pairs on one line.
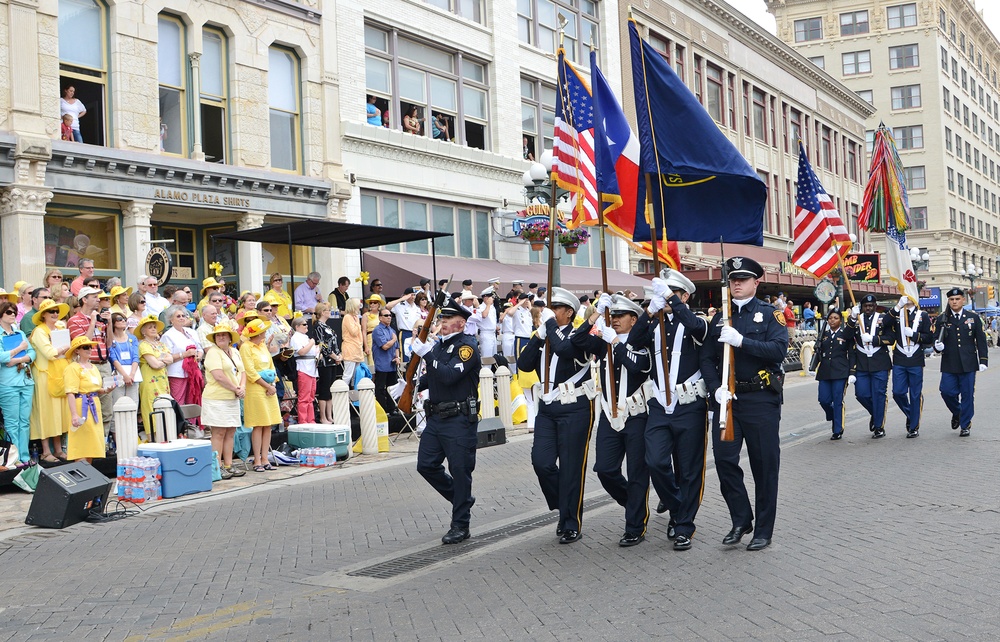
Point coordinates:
[[49, 415], [281, 300], [154, 380], [259, 408], [88, 439], [372, 320]]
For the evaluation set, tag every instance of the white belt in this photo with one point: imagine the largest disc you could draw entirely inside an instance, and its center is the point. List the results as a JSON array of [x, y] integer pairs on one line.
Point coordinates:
[[869, 350], [909, 350], [684, 393]]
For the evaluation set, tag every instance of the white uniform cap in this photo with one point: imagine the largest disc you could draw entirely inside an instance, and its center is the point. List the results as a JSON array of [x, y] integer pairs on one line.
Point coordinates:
[[623, 305], [562, 296], [677, 281]]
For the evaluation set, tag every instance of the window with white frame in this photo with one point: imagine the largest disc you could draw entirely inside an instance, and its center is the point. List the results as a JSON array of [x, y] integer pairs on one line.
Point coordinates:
[[470, 227], [819, 61], [853, 23], [918, 217], [538, 25], [284, 100], [538, 116], [172, 72], [214, 99], [435, 92], [83, 64], [913, 178], [468, 9], [909, 137], [713, 91], [808, 29], [906, 97], [904, 57], [900, 16], [856, 62], [866, 95]]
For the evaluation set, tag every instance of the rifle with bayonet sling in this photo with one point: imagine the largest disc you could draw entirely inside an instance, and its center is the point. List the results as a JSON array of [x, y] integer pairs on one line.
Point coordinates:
[[405, 403]]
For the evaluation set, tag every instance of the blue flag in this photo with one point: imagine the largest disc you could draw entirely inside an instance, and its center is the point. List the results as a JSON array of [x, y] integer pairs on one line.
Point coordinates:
[[701, 182]]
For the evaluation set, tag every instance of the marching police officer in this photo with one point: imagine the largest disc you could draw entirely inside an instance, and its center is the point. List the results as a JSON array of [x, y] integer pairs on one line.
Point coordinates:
[[962, 344], [565, 415], [872, 333], [452, 409], [759, 339], [833, 363], [676, 428], [623, 435], [911, 331]]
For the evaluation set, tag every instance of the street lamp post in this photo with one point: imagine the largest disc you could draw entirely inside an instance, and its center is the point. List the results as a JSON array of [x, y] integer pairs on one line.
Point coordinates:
[[538, 188], [971, 273], [921, 261]]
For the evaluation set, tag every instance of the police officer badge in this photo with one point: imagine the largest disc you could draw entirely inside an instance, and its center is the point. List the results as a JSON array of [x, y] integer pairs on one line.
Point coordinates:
[[758, 317], [465, 353]]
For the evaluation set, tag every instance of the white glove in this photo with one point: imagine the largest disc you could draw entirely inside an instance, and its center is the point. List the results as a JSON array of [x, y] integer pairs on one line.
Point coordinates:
[[781, 304], [608, 334], [540, 331], [903, 300], [938, 346], [546, 314], [855, 311], [420, 348], [396, 391], [656, 303], [722, 395], [907, 332], [982, 367], [814, 373], [731, 336], [660, 287], [851, 379], [603, 303], [866, 338]]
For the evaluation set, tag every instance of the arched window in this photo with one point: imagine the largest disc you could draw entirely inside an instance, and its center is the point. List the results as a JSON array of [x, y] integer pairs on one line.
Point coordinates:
[[284, 101], [83, 64]]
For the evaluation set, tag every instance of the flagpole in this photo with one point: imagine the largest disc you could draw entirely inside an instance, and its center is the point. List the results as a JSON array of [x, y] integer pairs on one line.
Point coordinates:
[[727, 430], [843, 272], [664, 355], [553, 230]]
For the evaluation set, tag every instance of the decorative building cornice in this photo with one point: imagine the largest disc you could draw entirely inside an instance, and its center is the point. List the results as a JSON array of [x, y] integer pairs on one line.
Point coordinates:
[[136, 213], [24, 200], [250, 221]]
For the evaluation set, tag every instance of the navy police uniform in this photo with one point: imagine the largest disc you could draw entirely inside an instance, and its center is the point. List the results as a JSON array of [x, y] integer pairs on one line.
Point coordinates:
[[834, 363], [873, 364], [564, 420], [756, 409], [625, 440], [911, 332], [677, 432], [452, 410], [964, 354]]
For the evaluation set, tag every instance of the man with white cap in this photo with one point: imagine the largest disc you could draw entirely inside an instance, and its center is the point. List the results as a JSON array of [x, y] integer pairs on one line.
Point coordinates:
[[469, 303], [622, 425], [487, 318], [676, 428], [407, 315], [516, 288], [911, 332], [566, 413], [872, 336], [521, 323]]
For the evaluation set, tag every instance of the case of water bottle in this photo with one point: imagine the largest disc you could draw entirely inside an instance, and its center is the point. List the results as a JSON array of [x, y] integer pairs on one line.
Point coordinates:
[[139, 479], [334, 436], [186, 465], [317, 457]]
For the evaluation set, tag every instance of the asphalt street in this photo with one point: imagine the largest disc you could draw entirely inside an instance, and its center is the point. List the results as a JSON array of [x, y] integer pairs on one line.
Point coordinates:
[[894, 539]]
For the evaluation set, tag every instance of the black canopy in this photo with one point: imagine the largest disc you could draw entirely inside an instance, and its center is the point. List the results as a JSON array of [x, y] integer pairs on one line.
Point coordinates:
[[329, 234]]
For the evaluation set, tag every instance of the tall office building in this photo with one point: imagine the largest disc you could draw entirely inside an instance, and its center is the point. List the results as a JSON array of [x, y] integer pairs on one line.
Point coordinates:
[[930, 70]]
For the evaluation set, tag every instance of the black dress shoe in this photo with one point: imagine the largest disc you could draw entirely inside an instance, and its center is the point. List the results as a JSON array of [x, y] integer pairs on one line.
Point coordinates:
[[913, 433], [630, 539], [965, 431], [907, 425], [671, 530], [682, 543], [871, 425], [456, 535], [836, 436], [758, 544], [736, 535], [878, 434], [559, 532], [661, 507], [954, 422], [568, 537]]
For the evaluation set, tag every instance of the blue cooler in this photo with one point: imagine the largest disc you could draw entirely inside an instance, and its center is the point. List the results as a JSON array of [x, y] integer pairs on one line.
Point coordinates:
[[186, 464], [334, 436]]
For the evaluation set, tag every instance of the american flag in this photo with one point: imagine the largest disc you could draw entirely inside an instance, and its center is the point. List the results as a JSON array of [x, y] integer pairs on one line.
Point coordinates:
[[819, 233], [573, 150]]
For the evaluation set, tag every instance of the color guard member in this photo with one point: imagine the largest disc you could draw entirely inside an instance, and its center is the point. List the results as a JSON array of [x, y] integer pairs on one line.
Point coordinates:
[[912, 332], [872, 335], [962, 344]]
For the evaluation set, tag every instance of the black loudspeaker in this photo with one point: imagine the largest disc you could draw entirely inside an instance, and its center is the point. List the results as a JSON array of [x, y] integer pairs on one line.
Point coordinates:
[[491, 433], [68, 494]]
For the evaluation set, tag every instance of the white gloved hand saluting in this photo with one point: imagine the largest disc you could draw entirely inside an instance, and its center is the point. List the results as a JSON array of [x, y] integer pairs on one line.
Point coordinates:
[[546, 314], [660, 287], [907, 331], [731, 336], [855, 311], [608, 334], [540, 331], [722, 395], [420, 348], [656, 303], [938, 346], [603, 303], [851, 380], [982, 367], [903, 300]]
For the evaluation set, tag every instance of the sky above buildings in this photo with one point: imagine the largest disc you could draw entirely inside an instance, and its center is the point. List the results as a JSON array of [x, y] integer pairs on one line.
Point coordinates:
[[757, 11]]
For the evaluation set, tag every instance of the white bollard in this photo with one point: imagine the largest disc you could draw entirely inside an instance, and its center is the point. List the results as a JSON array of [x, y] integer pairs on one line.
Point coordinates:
[[341, 407], [486, 393], [369, 429], [503, 397], [126, 428]]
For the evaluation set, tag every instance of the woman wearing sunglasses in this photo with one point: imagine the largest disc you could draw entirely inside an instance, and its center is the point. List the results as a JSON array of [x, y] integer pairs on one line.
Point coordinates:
[[16, 387]]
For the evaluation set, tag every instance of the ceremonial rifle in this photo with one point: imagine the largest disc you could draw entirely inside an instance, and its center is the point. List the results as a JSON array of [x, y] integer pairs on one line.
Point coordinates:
[[726, 428], [405, 403]]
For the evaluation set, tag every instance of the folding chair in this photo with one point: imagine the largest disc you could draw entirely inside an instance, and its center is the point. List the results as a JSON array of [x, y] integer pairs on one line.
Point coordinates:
[[193, 411]]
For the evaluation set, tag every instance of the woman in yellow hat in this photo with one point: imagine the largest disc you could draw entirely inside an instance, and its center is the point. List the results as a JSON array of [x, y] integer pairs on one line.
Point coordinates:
[[154, 357], [208, 286], [225, 385], [49, 415], [84, 384], [119, 300], [247, 303], [370, 321], [260, 406]]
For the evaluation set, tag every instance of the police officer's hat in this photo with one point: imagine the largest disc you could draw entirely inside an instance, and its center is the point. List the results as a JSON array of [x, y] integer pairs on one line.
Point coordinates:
[[452, 309], [677, 281], [956, 292], [487, 292], [741, 267], [562, 296], [621, 304], [517, 282], [868, 298]]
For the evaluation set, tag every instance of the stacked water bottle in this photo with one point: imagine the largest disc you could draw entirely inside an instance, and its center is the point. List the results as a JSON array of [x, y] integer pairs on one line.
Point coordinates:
[[317, 457], [139, 479]]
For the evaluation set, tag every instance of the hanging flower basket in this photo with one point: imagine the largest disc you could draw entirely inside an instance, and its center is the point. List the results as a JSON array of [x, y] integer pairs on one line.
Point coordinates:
[[571, 240], [536, 234], [537, 247]]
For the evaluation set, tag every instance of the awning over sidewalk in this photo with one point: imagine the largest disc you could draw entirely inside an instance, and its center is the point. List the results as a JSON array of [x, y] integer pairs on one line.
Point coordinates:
[[398, 271]]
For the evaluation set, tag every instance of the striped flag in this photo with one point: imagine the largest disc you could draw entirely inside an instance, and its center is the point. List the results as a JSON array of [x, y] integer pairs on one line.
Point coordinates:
[[573, 150], [819, 233]]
